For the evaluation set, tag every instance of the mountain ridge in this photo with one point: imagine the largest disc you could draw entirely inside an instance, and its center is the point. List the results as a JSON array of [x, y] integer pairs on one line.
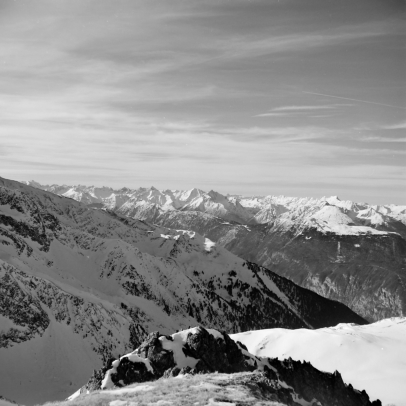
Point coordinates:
[[351, 252], [91, 282]]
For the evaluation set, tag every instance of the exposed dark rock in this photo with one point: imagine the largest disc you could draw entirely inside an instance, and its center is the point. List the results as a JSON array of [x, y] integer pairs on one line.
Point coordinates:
[[217, 354], [159, 358], [129, 372], [96, 379], [310, 383]]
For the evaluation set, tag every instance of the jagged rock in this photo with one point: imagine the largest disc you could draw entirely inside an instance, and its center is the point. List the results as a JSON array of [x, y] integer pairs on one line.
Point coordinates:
[[96, 379], [160, 359], [206, 351], [215, 354], [310, 383], [129, 372]]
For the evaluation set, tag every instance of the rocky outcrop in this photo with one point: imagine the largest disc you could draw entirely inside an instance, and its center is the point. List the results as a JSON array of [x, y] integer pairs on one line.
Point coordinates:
[[310, 383], [201, 351]]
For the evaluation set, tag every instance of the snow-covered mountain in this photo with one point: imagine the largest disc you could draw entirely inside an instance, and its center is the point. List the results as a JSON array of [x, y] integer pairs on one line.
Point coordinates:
[[79, 284], [351, 252], [148, 203], [243, 209], [372, 357]]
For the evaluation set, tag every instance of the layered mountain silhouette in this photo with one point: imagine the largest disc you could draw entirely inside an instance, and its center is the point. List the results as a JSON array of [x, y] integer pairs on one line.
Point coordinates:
[[80, 284], [351, 252]]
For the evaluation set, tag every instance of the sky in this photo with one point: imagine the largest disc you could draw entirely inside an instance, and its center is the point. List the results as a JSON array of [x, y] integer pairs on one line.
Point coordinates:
[[251, 97]]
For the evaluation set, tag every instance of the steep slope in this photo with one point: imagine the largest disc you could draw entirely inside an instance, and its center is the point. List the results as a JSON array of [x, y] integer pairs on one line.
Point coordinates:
[[91, 282], [370, 357], [321, 250], [332, 250], [350, 252]]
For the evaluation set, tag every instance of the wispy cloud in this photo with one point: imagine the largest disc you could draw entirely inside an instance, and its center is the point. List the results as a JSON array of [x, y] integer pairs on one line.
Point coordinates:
[[357, 100], [135, 92], [305, 108], [300, 110], [397, 126]]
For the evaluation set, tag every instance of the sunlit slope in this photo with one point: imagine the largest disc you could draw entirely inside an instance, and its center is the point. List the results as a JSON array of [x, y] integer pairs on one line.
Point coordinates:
[[372, 357]]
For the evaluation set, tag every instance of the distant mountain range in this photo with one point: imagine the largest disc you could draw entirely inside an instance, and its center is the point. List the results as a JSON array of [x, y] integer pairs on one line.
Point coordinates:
[[80, 284], [351, 252]]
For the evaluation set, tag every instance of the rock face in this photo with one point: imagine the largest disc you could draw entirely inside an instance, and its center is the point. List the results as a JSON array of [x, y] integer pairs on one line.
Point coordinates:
[[91, 282], [310, 383], [197, 351]]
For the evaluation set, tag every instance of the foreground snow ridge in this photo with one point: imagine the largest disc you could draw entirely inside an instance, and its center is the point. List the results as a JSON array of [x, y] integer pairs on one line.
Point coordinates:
[[202, 352], [372, 356]]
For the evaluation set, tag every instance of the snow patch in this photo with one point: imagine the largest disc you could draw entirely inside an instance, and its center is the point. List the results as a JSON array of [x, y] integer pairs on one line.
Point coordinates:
[[175, 345], [208, 245]]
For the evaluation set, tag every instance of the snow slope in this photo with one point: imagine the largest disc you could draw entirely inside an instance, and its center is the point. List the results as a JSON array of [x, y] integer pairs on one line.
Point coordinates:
[[372, 357]]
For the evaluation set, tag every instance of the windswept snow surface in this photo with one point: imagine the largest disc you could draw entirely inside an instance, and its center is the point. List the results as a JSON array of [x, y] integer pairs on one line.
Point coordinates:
[[370, 357]]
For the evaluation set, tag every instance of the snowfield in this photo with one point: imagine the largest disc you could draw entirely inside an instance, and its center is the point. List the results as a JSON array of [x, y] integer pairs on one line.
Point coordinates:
[[370, 357]]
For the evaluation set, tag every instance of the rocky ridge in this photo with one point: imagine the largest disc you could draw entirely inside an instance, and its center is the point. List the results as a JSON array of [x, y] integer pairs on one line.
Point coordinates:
[[201, 351]]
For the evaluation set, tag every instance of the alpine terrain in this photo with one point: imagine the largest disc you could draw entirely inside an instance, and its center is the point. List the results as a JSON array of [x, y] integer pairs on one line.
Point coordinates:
[[351, 252], [80, 284], [241, 378]]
